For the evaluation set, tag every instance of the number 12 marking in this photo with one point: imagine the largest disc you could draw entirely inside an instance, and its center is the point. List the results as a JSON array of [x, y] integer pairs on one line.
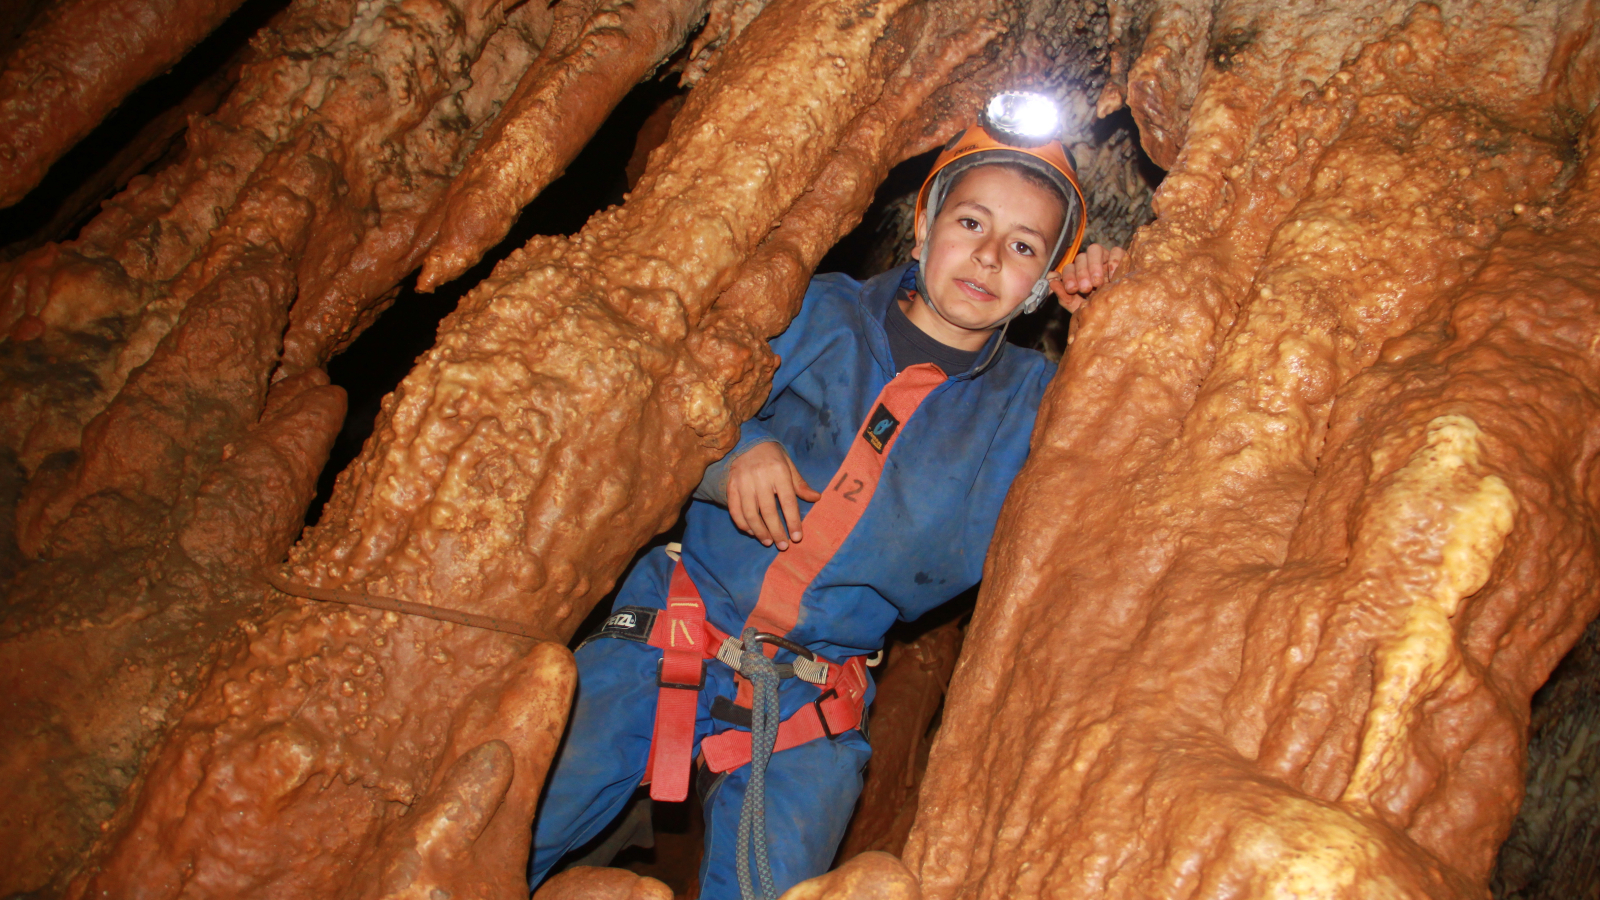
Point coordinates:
[[850, 494]]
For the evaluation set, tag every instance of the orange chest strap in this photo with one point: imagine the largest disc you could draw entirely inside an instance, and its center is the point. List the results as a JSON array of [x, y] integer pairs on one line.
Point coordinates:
[[834, 516], [684, 641]]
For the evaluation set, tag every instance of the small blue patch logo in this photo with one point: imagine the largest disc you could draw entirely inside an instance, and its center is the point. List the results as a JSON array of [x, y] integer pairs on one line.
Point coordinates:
[[880, 428]]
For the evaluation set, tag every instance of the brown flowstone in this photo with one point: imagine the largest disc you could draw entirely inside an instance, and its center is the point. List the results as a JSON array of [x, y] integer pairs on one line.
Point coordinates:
[[75, 63], [911, 686], [1304, 523]]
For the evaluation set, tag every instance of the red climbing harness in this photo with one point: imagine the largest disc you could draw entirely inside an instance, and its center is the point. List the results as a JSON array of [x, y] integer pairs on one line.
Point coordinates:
[[687, 639], [682, 636]]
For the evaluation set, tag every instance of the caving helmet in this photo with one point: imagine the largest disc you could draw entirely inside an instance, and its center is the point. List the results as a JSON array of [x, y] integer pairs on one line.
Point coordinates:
[[1020, 128]]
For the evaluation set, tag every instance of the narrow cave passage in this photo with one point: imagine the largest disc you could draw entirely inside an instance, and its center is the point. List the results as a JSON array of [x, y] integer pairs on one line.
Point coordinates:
[[206, 300]]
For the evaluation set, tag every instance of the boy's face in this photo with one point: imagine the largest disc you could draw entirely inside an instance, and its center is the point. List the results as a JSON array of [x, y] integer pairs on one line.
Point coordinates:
[[989, 245]]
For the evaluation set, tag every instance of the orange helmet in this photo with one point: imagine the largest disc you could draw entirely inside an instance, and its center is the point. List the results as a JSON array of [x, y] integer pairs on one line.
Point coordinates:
[[1019, 128]]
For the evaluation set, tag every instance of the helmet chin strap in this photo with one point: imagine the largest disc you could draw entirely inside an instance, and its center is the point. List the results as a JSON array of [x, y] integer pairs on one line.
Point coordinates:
[[1041, 288], [1035, 298], [1000, 327], [1033, 301]]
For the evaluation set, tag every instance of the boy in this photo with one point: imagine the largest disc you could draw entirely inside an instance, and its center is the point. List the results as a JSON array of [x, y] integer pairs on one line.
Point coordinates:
[[900, 398]]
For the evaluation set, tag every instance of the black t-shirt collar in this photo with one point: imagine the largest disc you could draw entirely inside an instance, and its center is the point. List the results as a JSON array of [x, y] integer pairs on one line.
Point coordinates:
[[911, 345]]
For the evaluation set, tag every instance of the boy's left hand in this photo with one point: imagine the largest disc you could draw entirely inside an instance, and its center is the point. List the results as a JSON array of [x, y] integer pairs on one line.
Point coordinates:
[[1092, 268]]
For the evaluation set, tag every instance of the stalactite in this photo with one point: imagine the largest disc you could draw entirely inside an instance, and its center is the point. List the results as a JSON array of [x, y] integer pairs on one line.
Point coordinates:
[[593, 59], [76, 63], [158, 139], [312, 134]]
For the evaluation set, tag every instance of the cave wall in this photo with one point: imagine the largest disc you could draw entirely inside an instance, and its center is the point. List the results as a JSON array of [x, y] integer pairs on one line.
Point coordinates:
[[1307, 521], [1327, 449], [1554, 846]]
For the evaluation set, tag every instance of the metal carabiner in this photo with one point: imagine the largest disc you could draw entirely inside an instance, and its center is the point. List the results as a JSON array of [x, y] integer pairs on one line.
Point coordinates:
[[763, 637]]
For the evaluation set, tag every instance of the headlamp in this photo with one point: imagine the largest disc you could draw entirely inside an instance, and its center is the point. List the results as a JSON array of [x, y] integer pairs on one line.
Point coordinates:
[[1022, 118]]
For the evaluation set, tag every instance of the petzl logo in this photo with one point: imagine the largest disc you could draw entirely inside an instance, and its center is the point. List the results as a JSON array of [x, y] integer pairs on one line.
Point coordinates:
[[880, 428], [623, 621]]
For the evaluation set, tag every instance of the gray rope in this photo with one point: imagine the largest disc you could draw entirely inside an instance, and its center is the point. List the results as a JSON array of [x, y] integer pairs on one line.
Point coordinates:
[[763, 675]]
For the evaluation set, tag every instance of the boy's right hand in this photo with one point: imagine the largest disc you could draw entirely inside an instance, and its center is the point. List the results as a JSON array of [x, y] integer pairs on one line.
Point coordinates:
[[760, 482], [1090, 269]]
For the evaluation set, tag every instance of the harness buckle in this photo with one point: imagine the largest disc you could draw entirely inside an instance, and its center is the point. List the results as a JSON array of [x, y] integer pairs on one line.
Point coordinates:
[[662, 682]]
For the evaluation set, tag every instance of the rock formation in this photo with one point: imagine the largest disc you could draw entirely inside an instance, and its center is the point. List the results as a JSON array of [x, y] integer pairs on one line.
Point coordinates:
[[76, 64], [1327, 449], [589, 883], [911, 687], [1307, 522]]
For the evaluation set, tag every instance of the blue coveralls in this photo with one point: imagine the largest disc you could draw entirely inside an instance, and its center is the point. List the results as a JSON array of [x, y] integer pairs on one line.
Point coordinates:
[[921, 541]]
